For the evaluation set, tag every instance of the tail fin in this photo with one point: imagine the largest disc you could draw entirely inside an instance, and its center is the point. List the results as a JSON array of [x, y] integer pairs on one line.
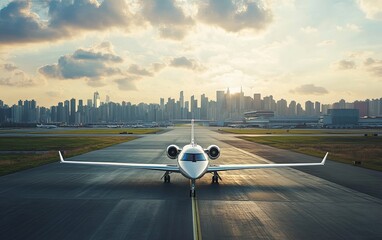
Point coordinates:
[[192, 132]]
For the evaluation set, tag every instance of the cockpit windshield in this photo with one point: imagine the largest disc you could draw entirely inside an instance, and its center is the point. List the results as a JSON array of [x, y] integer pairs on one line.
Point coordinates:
[[193, 157]]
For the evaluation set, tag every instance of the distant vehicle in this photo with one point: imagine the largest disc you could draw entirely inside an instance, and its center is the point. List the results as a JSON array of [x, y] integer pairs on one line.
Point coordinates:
[[193, 163], [46, 126], [113, 126]]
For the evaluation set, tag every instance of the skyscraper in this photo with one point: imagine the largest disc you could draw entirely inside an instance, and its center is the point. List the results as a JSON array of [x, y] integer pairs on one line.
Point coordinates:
[[257, 101], [181, 99], [96, 100], [72, 118]]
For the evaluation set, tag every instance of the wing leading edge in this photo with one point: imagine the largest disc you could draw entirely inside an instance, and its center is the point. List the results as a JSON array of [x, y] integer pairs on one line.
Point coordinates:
[[159, 167], [229, 167]]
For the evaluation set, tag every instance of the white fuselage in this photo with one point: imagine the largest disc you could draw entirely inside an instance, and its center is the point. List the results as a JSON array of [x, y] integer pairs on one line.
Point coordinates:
[[193, 161]]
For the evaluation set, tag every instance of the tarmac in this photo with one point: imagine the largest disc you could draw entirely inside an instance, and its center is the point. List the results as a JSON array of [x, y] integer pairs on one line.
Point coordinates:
[[62, 201]]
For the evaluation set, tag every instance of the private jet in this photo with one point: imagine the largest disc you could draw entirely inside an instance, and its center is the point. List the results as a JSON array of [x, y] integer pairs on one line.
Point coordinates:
[[193, 163]]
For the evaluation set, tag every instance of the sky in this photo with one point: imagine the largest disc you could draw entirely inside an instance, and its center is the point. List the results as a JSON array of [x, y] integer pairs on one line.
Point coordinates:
[[140, 51]]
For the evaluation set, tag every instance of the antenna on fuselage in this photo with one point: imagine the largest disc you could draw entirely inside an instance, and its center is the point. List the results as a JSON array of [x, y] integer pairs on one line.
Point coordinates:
[[192, 132]]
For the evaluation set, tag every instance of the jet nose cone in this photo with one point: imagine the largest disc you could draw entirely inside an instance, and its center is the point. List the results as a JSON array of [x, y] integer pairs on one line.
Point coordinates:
[[195, 169]]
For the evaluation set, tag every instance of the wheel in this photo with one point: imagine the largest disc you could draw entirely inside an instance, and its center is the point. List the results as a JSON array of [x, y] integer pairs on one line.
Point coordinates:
[[167, 178], [215, 179]]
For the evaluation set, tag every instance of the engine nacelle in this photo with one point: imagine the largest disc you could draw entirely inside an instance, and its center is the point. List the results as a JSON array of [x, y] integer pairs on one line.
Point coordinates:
[[213, 152], [173, 151]]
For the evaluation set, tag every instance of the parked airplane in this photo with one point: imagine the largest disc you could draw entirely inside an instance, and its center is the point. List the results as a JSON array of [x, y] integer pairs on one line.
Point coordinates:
[[193, 163], [46, 126]]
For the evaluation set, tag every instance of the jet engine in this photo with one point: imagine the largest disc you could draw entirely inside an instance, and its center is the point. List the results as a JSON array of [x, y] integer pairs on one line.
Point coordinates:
[[173, 151], [213, 152]]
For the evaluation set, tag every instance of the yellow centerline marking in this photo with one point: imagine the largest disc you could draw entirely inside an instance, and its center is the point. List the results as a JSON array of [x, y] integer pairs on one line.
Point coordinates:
[[196, 220]]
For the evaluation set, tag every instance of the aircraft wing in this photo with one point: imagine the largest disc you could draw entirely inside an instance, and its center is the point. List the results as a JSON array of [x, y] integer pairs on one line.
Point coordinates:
[[159, 167], [229, 167]]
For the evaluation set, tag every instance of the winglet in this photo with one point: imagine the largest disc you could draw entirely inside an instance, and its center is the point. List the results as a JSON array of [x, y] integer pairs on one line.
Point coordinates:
[[61, 158], [324, 159]]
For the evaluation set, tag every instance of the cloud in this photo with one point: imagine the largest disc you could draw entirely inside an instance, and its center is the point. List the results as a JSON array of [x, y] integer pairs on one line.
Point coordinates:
[[309, 29], [369, 61], [12, 76], [54, 94], [136, 70], [234, 16], [89, 14], [326, 43], [183, 62], [168, 17], [19, 24], [349, 27], [127, 83], [345, 64], [372, 8], [158, 66], [374, 66], [91, 64], [310, 89]]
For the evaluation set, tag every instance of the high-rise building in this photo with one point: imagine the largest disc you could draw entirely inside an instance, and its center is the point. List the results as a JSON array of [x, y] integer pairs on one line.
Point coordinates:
[[282, 107], [203, 106], [299, 110], [269, 103], [220, 102], [96, 100], [181, 99], [292, 108], [257, 102], [241, 100], [107, 100], [66, 110], [317, 108], [72, 118], [309, 108]]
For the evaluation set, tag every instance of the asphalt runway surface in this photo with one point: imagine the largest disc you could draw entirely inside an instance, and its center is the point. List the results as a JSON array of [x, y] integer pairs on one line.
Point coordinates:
[[62, 201]]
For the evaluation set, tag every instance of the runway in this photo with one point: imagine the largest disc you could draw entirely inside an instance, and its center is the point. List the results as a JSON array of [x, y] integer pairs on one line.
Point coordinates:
[[59, 201]]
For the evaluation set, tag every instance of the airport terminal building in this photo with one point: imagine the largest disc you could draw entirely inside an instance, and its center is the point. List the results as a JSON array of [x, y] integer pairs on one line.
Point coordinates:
[[335, 118], [267, 119]]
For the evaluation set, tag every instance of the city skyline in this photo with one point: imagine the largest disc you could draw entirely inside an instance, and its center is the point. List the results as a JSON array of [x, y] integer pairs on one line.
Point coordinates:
[[135, 51], [226, 107], [97, 99]]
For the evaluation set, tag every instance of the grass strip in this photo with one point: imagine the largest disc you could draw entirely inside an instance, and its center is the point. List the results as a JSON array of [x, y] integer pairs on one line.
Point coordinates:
[[297, 131], [47, 149], [102, 131], [344, 149]]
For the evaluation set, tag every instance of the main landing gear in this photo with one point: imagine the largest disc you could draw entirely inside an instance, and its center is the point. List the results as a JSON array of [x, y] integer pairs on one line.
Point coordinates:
[[166, 177], [216, 177]]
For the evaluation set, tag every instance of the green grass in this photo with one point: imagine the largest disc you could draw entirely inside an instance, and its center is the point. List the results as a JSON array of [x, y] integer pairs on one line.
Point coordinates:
[[294, 131], [344, 149], [72, 146], [102, 131]]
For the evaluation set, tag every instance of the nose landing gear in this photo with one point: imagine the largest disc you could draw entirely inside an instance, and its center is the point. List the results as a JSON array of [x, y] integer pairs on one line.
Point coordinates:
[[192, 190]]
